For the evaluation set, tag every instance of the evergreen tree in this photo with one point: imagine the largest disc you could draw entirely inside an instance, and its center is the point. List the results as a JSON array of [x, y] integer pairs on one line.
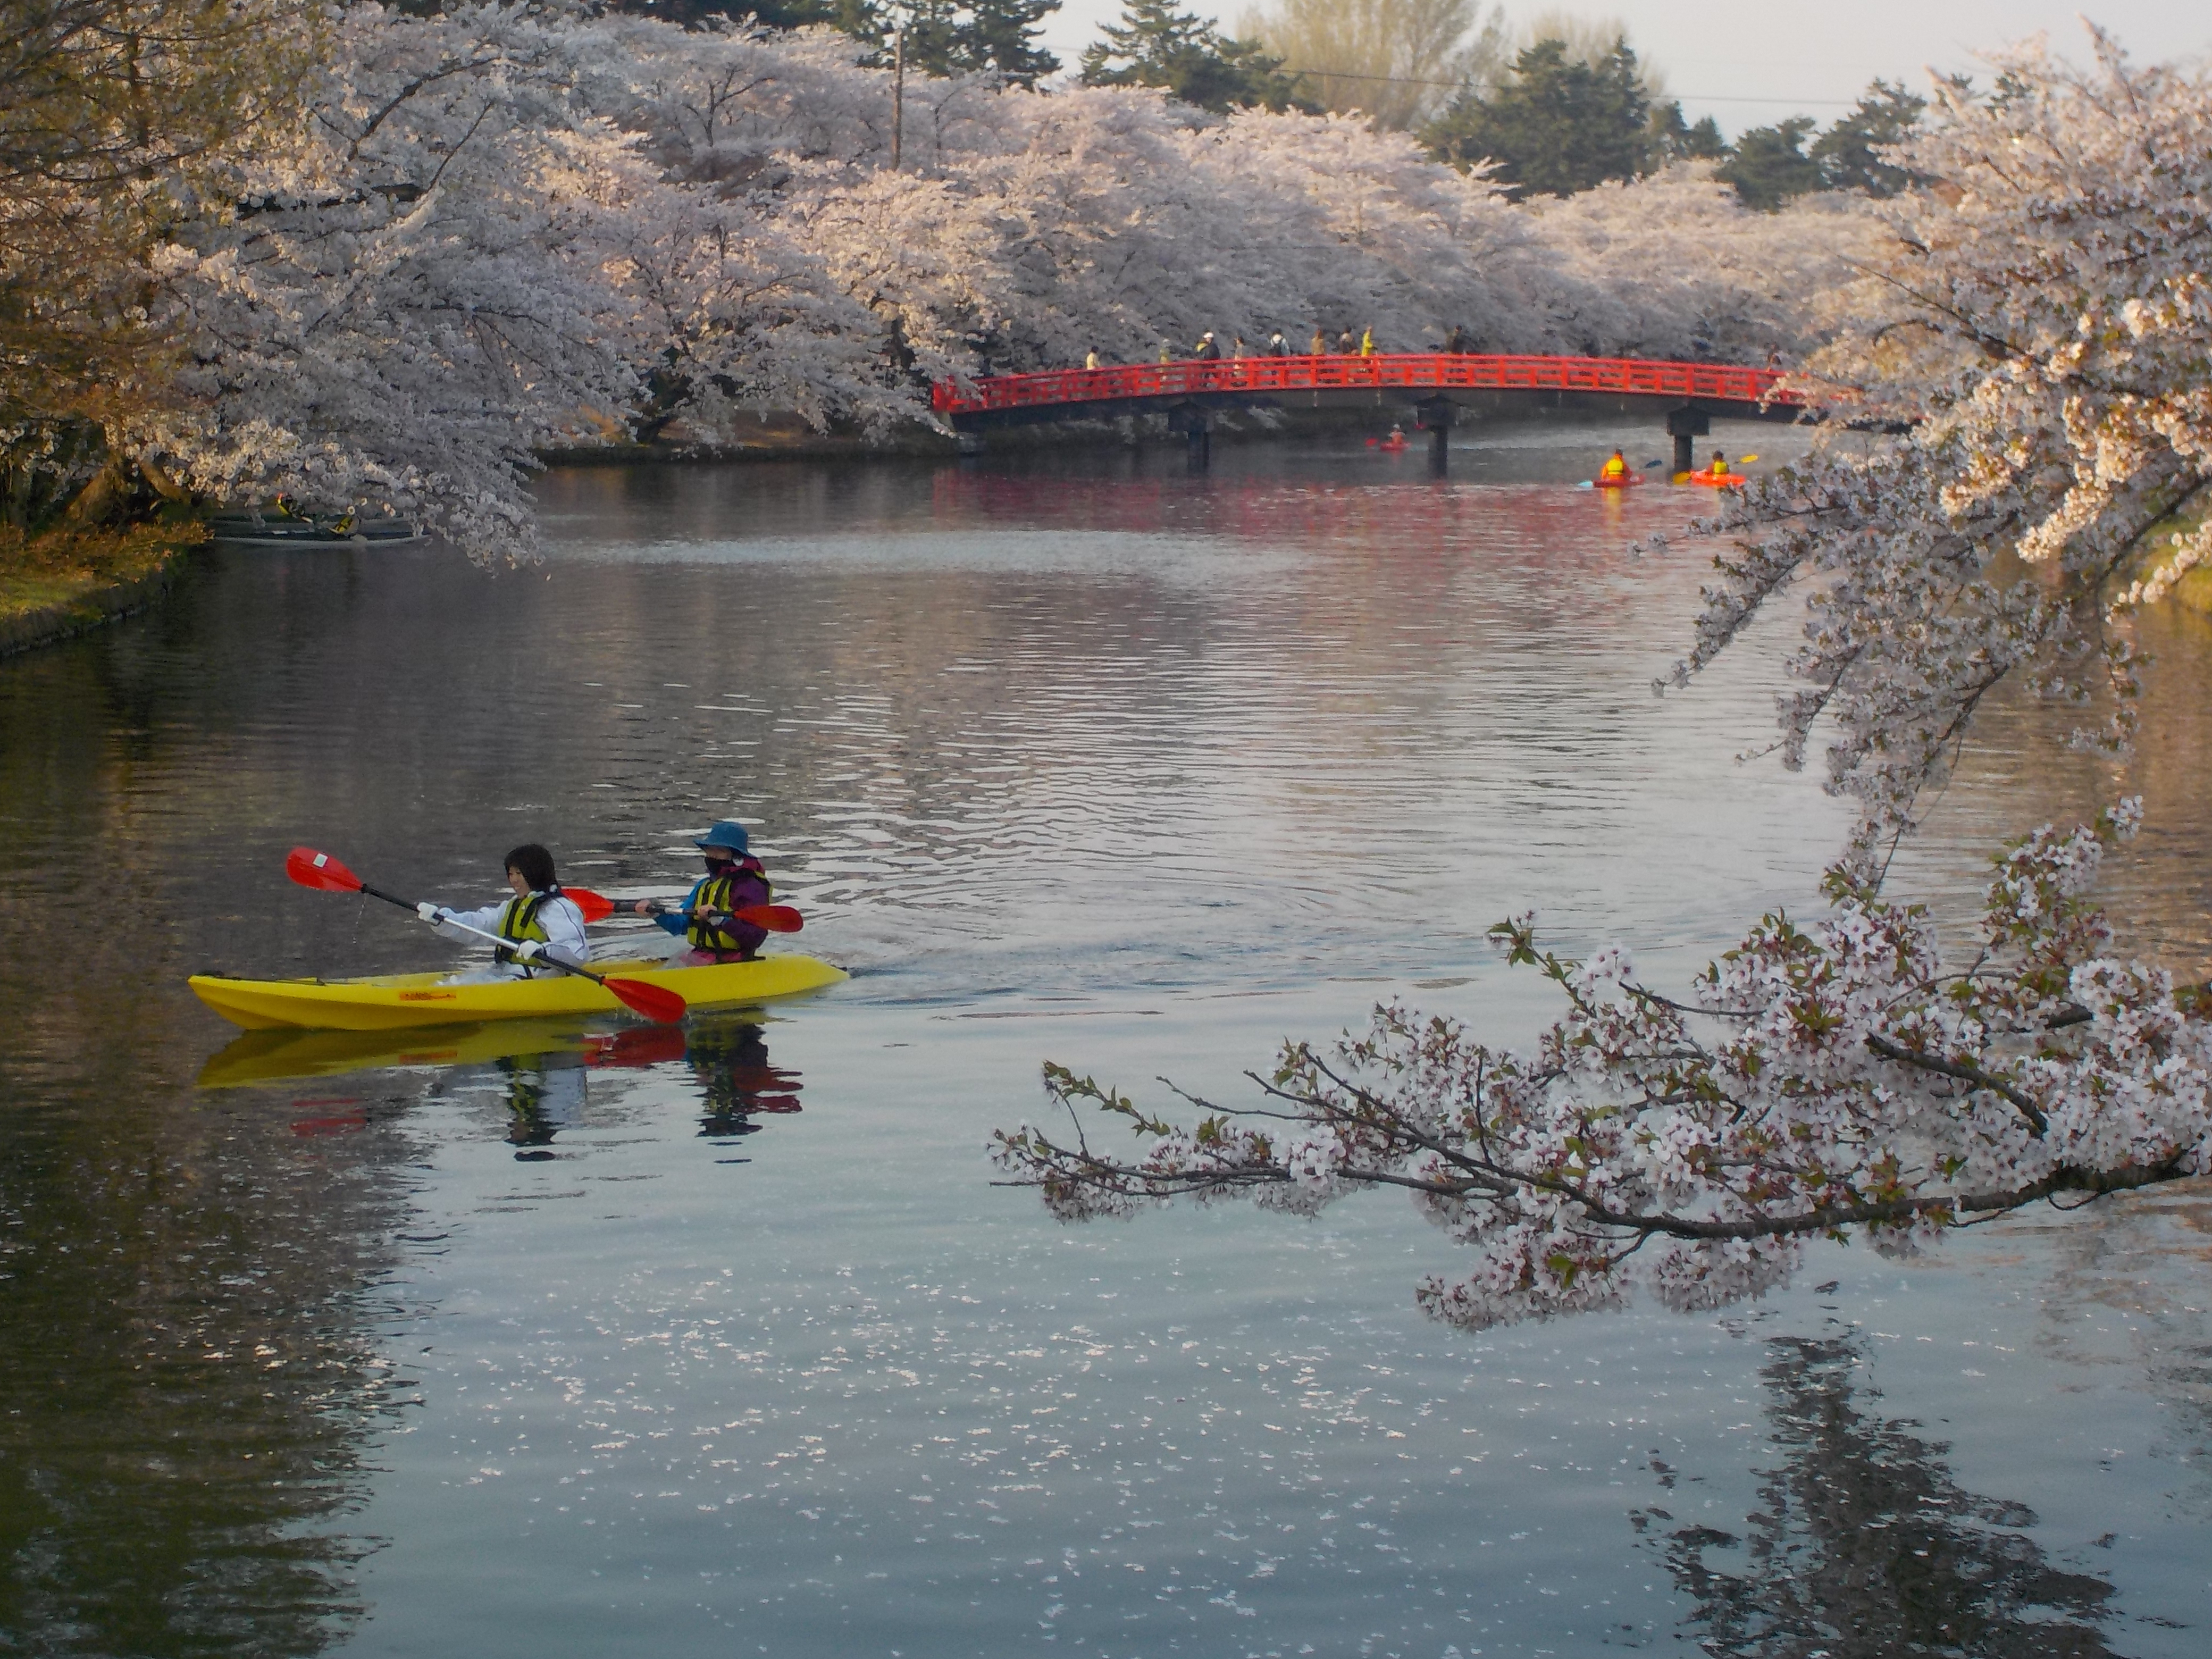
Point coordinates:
[[1156, 46], [1555, 125], [956, 37], [1845, 152], [1770, 165], [1668, 137]]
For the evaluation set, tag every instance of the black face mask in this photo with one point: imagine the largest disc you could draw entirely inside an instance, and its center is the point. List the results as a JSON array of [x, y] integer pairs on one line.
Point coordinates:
[[715, 867]]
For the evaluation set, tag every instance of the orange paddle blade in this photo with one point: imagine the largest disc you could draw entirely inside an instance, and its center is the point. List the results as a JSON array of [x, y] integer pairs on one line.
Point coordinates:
[[773, 918], [596, 907], [319, 870], [662, 1006]]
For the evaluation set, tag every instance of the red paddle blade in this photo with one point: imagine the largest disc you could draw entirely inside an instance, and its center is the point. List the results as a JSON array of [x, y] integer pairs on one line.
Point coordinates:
[[662, 1007], [637, 1045], [596, 907], [319, 870], [772, 918]]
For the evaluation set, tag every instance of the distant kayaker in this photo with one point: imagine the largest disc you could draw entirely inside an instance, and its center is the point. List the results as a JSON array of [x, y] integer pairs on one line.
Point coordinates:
[[1720, 467], [539, 912], [1616, 469], [735, 880]]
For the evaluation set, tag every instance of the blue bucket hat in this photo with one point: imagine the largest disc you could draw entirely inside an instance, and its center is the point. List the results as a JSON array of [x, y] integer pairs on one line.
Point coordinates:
[[728, 833]]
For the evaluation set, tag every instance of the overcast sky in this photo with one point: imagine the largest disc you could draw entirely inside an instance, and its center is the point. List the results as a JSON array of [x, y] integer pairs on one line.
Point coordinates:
[[1756, 61]]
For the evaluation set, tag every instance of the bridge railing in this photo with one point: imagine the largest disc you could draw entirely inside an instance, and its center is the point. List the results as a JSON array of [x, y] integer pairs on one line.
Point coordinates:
[[1417, 371]]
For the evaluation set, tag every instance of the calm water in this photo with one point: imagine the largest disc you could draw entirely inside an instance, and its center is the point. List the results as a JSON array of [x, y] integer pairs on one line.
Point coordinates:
[[588, 1340]]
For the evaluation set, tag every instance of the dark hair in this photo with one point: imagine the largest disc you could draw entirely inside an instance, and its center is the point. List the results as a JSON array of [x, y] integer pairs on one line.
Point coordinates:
[[534, 864]]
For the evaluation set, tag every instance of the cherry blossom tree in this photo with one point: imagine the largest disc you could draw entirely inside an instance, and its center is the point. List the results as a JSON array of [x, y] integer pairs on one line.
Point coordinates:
[[446, 242], [2035, 326]]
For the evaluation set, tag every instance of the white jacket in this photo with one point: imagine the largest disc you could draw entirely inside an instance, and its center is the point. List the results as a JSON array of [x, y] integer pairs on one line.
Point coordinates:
[[562, 921]]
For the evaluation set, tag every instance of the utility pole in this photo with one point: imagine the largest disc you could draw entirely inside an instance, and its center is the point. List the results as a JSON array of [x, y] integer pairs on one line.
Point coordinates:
[[898, 86]]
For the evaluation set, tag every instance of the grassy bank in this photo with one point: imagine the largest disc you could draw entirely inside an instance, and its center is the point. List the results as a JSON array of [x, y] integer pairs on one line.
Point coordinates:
[[58, 583]]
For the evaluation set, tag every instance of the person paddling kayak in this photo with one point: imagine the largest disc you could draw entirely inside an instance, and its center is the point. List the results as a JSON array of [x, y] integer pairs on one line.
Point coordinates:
[[538, 914], [735, 880], [1615, 469], [1719, 469]]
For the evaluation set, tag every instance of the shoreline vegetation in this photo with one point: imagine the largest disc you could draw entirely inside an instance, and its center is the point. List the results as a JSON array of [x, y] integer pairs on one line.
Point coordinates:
[[60, 582]]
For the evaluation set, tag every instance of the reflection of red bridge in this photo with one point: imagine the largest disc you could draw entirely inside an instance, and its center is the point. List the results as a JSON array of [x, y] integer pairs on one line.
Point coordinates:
[[1690, 393]]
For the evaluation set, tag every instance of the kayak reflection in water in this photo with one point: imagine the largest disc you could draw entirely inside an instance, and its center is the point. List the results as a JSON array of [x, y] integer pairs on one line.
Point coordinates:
[[548, 1091], [545, 1094], [735, 880], [539, 912], [730, 1062]]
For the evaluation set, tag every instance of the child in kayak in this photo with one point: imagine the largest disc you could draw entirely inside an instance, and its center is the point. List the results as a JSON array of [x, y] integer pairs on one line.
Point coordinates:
[[539, 912], [735, 880]]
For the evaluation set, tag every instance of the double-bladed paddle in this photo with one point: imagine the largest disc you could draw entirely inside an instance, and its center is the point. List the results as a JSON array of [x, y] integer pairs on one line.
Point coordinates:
[[319, 870], [769, 918]]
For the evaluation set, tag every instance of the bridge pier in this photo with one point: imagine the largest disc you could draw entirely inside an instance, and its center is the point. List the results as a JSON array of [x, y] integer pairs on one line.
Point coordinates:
[[1437, 414], [1682, 425], [1197, 428]]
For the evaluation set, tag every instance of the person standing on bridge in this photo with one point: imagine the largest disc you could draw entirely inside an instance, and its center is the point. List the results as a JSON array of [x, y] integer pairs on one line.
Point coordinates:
[[1167, 352], [1456, 344], [1319, 346], [1209, 349], [1090, 358], [1367, 341], [1277, 345], [1347, 344]]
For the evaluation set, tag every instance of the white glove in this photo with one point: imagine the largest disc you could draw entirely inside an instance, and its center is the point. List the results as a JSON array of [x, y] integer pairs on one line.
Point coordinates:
[[428, 911], [529, 950]]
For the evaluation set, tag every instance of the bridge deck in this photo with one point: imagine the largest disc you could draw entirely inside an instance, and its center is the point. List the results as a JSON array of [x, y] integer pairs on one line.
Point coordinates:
[[1437, 371]]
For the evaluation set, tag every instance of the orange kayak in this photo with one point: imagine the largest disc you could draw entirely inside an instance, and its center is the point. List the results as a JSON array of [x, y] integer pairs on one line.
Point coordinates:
[[1721, 483]]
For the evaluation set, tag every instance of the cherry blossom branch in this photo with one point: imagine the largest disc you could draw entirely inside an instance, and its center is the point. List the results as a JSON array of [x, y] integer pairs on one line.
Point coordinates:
[[1966, 1073]]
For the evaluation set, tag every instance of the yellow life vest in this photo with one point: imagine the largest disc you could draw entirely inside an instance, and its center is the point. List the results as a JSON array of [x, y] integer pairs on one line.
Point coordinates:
[[518, 920], [1614, 468], [713, 896]]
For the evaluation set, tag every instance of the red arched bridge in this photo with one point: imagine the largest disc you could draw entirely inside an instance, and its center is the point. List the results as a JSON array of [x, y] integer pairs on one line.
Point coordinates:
[[1688, 394]]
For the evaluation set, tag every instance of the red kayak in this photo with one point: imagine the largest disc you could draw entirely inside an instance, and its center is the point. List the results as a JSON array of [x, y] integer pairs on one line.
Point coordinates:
[[1617, 483], [1721, 483]]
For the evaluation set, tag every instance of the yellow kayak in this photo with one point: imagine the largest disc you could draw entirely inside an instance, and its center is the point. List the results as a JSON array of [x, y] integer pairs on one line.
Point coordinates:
[[392, 1001]]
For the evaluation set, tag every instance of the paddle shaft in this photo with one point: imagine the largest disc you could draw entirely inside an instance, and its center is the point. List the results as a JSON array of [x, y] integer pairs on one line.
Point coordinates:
[[751, 915], [488, 938]]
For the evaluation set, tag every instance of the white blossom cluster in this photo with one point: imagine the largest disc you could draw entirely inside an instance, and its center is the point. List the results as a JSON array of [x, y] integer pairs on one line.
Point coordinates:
[[469, 236], [2039, 333], [1824, 1080]]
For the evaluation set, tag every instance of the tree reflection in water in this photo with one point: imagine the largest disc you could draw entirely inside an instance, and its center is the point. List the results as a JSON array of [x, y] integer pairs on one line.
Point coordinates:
[[1865, 1546]]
